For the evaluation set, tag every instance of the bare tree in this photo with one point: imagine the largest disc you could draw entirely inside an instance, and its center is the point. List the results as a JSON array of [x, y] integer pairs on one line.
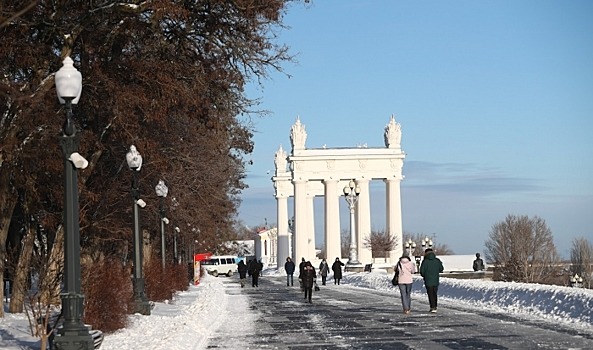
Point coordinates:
[[380, 243], [180, 71], [581, 260], [522, 250]]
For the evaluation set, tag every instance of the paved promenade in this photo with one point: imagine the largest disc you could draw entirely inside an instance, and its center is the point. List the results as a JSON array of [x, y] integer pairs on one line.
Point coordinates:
[[343, 317]]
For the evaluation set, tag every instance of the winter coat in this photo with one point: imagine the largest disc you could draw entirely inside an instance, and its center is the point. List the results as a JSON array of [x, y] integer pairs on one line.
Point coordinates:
[[430, 268], [323, 268], [337, 269], [406, 271], [242, 269], [253, 267], [308, 276], [301, 267], [289, 267], [478, 265]]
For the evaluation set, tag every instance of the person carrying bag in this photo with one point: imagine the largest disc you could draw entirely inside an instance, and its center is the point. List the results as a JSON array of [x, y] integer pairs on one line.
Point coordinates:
[[403, 278]]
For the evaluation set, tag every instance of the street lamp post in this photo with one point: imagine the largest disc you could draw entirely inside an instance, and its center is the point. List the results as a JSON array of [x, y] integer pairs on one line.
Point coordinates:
[[576, 281], [141, 305], [74, 334], [290, 234], [351, 193], [175, 257], [411, 247], [426, 243], [161, 191]]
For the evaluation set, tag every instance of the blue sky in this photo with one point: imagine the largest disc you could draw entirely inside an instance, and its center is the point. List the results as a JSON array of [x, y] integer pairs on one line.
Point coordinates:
[[495, 100]]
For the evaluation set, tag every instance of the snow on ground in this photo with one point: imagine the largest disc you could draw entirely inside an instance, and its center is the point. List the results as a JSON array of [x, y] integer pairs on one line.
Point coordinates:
[[572, 306], [187, 321]]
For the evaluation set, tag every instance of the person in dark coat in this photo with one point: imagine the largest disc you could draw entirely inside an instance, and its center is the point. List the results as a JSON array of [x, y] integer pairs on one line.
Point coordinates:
[[260, 268], [323, 271], [301, 267], [242, 269], [250, 266], [308, 280], [430, 269], [289, 268], [254, 271], [337, 269], [478, 263]]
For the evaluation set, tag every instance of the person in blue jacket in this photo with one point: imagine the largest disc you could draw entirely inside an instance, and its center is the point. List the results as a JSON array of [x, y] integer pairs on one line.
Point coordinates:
[[289, 268]]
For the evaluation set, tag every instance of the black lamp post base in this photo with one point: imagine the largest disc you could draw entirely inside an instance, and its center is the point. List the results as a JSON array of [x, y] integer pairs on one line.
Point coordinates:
[[74, 341], [73, 335], [141, 305]]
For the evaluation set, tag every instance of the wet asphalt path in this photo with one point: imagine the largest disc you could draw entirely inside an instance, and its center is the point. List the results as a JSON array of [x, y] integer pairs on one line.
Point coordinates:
[[344, 317]]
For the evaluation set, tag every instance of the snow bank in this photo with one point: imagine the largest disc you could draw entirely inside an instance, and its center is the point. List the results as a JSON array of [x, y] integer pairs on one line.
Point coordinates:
[[564, 304]]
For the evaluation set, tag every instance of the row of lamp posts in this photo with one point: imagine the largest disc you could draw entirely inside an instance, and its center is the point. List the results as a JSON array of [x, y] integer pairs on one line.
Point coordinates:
[[134, 160], [74, 334]]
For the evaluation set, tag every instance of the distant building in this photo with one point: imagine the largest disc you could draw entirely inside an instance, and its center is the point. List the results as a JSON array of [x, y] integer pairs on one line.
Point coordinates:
[[266, 245]]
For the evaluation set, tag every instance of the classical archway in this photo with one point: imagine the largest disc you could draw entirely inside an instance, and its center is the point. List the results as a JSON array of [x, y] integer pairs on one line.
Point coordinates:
[[310, 172]]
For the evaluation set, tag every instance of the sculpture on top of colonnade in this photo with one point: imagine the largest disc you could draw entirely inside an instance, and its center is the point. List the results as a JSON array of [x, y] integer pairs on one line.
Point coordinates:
[[298, 135], [393, 134], [280, 159]]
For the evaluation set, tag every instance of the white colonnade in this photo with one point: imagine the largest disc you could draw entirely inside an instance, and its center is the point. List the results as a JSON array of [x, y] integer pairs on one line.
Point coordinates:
[[307, 173]]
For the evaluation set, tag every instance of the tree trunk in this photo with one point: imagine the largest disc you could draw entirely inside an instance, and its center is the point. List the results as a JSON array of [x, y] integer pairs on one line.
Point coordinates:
[[7, 203], [20, 288], [50, 287]]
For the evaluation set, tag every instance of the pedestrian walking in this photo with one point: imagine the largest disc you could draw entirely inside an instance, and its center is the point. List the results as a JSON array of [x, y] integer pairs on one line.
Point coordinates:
[[323, 271], [405, 270], [337, 269], [260, 268], [289, 268], [242, 269], [254, 270], [430, 269], [478, 263], [301, 268], [308, 280]]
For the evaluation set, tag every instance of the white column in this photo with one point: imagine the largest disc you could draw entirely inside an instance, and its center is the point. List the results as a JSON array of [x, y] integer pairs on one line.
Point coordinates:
[[394, 216], [299, 238], [363, 222], [310, 227], [333, 248], [282, 240]]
